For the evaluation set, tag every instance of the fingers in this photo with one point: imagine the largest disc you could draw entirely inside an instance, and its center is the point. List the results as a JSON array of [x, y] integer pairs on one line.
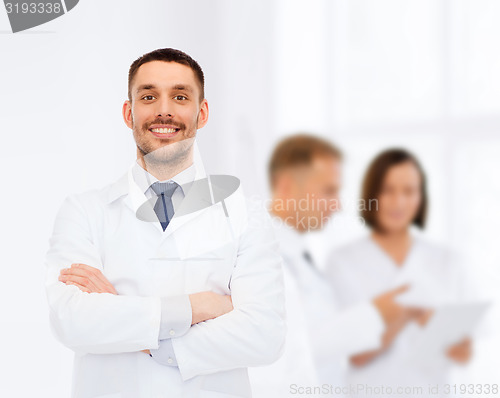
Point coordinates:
[[97, 277], [87, 270], [88, 276], [229, 303], [80, 280]]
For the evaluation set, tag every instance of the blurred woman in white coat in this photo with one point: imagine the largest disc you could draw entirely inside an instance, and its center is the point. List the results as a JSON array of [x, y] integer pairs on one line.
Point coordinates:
[[394, 198]]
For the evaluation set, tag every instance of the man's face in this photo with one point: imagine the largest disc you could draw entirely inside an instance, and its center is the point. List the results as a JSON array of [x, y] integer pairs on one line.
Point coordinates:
[[315, 191], [165, 111]]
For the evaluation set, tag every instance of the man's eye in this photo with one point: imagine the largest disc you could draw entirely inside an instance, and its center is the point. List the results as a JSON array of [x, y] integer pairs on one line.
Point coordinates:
[[180, 97], [148, 97]]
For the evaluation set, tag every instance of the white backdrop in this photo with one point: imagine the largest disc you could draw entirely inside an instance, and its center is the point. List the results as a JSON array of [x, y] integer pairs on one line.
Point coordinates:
[[424, 74]]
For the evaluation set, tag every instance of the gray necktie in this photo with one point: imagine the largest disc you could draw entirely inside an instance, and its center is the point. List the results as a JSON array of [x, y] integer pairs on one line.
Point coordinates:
[[164, 208], [308, 258]]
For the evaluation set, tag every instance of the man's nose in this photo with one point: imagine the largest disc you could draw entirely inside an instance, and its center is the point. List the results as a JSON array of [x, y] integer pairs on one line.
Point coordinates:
[[164, 108]]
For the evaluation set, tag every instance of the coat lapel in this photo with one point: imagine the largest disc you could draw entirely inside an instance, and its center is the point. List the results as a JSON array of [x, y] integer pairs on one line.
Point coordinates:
[[196, 201], [197, 196]]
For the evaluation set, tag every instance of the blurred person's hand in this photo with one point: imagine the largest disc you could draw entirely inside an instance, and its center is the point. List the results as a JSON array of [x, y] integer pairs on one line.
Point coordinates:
[[392, 330], [395, 317], [389, 309], [460, 352], [422, 316]]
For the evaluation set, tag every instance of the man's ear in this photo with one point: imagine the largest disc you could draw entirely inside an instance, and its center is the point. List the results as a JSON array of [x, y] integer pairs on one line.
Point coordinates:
[[127, 113], [203, 114]]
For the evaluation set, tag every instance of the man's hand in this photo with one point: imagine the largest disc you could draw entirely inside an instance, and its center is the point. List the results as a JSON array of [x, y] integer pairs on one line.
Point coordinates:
[[460, 352], [209, 305], [86, 278]]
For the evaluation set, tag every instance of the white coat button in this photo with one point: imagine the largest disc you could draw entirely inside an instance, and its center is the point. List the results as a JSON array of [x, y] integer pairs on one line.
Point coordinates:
[[170, 360], [172, 332]]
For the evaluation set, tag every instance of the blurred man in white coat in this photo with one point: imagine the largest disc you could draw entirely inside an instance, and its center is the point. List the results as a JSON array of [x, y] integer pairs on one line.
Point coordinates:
[[165, 283], [305, 174]]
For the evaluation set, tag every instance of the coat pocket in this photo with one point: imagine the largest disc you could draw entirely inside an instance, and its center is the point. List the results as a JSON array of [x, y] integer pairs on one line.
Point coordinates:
[[206, 271]]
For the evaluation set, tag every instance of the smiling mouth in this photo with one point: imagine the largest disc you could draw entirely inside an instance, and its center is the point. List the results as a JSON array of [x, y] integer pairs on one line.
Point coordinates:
[[169, 130]]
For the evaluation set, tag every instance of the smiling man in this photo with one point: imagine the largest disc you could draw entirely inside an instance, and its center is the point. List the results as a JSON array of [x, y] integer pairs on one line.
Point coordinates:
[[160, 290]]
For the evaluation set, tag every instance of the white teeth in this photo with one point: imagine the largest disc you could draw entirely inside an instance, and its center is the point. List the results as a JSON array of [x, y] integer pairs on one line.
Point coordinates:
[[163, 131]]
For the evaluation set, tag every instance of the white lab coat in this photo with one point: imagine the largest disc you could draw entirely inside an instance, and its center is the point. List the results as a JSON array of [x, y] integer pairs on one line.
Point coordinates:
[[319, 334], [361, 270], [235, 254]]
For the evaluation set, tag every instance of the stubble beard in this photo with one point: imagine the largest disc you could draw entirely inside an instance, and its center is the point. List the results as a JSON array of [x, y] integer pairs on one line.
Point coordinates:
[[167, 158]]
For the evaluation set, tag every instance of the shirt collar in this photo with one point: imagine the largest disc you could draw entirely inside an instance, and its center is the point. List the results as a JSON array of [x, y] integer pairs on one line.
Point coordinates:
[[125, 184], [144, 179]]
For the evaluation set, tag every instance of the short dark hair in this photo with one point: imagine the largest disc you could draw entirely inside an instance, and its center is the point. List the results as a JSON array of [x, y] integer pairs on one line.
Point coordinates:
[[167, 55], [299, 149], [373, 180]]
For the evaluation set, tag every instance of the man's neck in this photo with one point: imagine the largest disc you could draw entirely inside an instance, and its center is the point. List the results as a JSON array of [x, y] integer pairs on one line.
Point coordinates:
[[289, 218], [165, 170]]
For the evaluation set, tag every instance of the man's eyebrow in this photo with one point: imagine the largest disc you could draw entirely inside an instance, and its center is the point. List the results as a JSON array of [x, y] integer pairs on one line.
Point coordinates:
[[182, 87], [178, 86], [145, 87]]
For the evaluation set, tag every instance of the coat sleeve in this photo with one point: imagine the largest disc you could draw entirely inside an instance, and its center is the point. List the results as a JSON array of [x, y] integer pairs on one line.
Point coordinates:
[[97, 323], [253, 333]]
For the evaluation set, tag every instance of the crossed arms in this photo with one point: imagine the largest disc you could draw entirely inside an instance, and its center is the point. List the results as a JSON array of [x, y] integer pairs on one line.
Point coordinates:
[[245, 329], [202, 306]]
